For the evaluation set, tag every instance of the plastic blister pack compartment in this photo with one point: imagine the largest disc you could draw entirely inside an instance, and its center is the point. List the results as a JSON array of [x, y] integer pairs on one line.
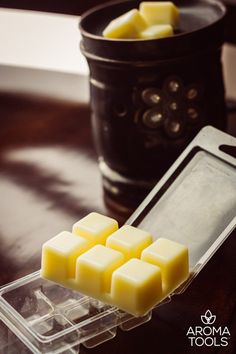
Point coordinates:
[[194, 204]]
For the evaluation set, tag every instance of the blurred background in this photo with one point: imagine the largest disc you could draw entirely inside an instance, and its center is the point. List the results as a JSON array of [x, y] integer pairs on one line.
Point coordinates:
[[49, 176], [9, 33]]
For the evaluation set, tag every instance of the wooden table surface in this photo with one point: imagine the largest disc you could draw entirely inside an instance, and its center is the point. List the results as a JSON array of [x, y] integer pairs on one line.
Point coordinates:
[[49, 179]]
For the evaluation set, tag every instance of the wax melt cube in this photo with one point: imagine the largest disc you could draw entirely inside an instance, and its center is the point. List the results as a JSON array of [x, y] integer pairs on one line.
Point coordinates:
[[136, 286], [115, 274], [156, 31], [172, 258], [94, 269], [130, 241], [59, 255], [129, 25], [95, 227], [160, 13]]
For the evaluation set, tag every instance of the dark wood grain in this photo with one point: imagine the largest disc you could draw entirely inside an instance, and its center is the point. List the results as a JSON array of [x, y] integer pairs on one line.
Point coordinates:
[[48, 179]]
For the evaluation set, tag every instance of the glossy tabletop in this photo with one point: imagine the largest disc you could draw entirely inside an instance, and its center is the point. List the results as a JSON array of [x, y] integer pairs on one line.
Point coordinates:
[[49, 178]]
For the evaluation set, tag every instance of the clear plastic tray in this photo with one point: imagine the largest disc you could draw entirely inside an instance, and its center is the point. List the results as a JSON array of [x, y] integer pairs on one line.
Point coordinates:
[[194, 203]]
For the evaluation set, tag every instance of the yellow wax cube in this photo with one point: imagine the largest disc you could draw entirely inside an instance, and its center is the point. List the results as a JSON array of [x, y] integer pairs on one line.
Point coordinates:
[[172, 258], [130, 241], [126, 26], [136, 286], [160, 13], [94, 269], [59, 256], [156, 31], [95, 227]]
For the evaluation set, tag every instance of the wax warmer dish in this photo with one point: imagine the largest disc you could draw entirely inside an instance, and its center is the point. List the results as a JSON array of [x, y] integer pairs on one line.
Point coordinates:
[[47, 318], [149, 98]]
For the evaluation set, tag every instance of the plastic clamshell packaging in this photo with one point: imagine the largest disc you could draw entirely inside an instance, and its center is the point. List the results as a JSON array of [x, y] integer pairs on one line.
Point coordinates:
[[200, 186]]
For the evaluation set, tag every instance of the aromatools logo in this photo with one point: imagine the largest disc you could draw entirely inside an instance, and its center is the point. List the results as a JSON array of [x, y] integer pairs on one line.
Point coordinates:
[[208, 334]]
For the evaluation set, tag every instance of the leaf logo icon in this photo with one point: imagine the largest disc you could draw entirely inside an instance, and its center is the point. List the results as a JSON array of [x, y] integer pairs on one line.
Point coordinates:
[[208, 318]]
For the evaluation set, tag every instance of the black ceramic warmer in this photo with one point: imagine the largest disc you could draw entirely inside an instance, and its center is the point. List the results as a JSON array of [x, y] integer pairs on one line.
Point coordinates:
[[149, 98]]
